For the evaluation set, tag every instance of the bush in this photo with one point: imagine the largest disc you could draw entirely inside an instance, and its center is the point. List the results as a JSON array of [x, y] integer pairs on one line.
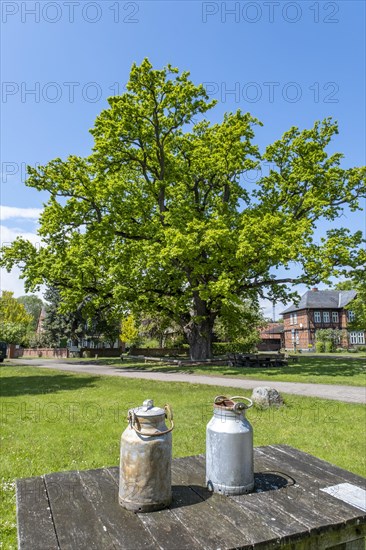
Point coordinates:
[[340, 350], [149, 343], [222, 348], [328, 347], [362, 348], [319, 347]]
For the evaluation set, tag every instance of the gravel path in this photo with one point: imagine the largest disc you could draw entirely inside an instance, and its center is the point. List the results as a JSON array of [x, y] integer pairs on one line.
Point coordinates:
[[350, 394]]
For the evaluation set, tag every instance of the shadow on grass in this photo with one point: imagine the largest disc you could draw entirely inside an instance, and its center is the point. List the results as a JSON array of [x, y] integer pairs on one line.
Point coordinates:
[[305, 367], [11, 386]]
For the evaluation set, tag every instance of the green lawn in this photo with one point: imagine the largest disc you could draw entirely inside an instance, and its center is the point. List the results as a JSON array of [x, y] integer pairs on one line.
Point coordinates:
[[350, 371], [54, 421]]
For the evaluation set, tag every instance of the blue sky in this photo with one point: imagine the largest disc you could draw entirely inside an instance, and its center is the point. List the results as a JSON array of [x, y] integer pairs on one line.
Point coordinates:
[[288, 63]]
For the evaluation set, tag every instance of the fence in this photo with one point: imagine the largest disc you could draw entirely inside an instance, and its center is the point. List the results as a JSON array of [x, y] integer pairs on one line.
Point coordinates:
[[159, 352]]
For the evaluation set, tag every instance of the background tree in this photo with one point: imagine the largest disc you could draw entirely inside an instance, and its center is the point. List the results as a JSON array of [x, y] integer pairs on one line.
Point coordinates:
[[33, 305], [130, 331], [239, 324], [58, 326], [331, 338], [161, 328], [358, 305], [14, 319], [85, 322], [158, 217], [104, 325]]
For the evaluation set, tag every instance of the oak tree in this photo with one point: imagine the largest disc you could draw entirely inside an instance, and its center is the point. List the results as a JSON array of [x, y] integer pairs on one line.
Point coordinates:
[[159, 218]]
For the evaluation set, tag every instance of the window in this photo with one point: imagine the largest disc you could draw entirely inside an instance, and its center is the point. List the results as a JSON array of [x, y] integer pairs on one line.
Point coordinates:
[[295, 336], [356, 337], [293, 319], [351, 315], [326, 317], [317, 317], [335, 318]]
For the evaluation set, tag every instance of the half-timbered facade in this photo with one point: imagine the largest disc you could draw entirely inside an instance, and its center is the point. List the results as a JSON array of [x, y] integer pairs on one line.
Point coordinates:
[[320, 309]]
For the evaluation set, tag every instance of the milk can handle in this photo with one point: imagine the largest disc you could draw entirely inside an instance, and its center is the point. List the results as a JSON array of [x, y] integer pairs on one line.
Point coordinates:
[[168, 414], [220, 398], [241, 397]]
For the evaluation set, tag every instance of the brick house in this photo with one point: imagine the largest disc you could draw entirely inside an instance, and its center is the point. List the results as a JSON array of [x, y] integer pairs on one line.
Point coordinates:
[[320, 309]]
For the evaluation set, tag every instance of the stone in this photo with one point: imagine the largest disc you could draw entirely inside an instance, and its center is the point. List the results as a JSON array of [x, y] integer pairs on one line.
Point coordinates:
[[265, 397]]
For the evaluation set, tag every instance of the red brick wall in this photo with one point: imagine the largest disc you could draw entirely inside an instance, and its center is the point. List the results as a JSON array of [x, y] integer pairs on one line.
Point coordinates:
[[40, 352], [306, 332]]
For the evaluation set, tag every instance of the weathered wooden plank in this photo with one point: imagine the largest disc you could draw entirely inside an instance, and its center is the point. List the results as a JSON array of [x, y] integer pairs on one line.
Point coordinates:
[[76, 524], [34, 518], [254, 507], [312, 479], [331, 540], [253, 527], [211, 529], [190, 511], [124, 528], [298, 512], [169, 533], [306, 501], [86, 514], [292, 506], [317, 466], [348, 492]]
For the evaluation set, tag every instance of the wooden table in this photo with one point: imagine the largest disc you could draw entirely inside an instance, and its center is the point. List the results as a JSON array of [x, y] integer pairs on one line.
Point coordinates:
[[79, 510], [257, 360]]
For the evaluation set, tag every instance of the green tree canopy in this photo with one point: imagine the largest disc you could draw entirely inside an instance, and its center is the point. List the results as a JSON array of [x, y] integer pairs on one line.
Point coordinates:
[[159, 218], [14, 319], [129, 330], [33, 306], [358, 305], [83, 322]]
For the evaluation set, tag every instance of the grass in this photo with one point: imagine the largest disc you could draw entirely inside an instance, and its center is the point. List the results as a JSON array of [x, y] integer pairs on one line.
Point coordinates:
[[54, 421], [349, 371]]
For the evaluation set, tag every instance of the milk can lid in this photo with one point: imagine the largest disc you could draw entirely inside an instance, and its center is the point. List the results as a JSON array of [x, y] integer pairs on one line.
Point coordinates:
[[148, 409], [227, 403]]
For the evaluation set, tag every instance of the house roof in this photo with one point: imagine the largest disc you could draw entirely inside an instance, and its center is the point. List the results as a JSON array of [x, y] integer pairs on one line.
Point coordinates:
[[272, 328], [323, 299]]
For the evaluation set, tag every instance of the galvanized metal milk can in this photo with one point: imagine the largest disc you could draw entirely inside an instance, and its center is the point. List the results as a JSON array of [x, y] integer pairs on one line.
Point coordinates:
[[229, 447], [146, 457]]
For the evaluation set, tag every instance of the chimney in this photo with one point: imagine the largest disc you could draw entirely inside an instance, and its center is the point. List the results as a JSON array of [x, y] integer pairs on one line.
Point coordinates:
[[315, 289]]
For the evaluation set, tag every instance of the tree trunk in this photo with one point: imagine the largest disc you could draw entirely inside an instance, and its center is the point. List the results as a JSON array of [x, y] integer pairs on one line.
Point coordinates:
[[199, 330]]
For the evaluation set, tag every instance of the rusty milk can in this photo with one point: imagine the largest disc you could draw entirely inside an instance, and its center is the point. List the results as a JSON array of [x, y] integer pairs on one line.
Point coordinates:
[[229, 447], [146, 456]]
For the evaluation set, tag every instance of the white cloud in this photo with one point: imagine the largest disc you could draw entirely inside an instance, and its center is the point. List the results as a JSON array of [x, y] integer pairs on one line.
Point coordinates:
[[11, 212], [267, 309], [11, 281], [9, 234]]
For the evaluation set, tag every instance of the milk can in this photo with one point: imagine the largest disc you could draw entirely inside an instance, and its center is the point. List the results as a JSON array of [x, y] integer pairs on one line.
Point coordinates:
[[146, 456], [229, 447]]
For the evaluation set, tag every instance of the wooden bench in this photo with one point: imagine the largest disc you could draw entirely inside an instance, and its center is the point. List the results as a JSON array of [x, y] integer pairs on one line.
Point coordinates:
[[299, 502], [256, 360]]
